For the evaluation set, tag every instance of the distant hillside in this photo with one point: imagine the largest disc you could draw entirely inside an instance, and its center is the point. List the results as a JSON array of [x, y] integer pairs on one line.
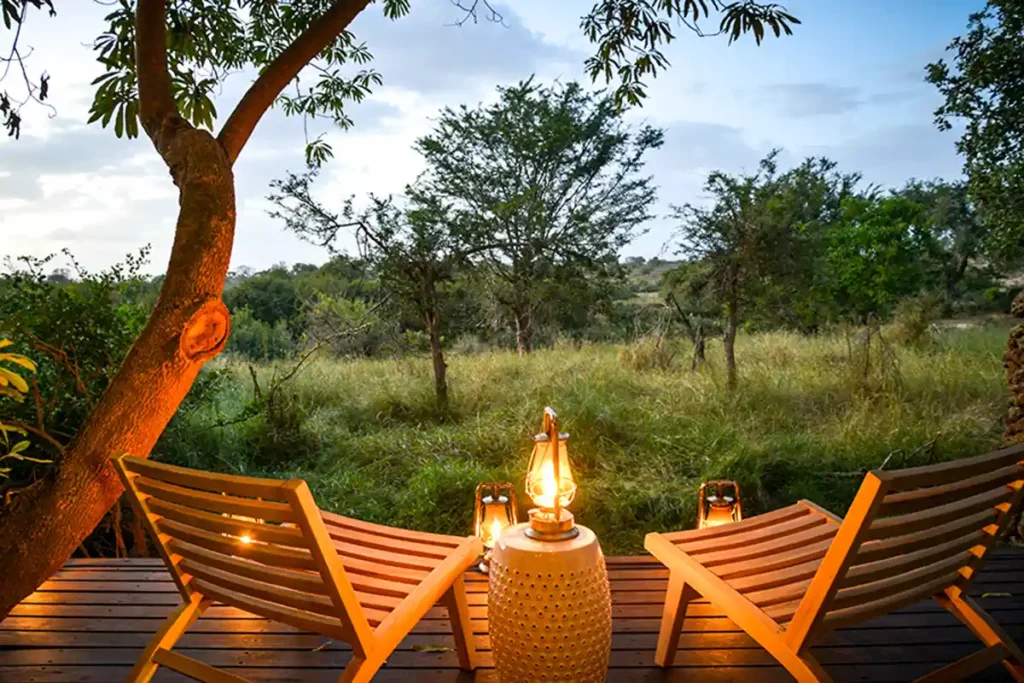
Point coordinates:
[[647, 273]]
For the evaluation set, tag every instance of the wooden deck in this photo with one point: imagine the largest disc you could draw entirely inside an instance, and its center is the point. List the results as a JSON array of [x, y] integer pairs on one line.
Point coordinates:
[[90, 622]]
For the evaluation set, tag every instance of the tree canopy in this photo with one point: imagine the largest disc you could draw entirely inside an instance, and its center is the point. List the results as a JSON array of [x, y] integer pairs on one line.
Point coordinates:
[[983, 88]]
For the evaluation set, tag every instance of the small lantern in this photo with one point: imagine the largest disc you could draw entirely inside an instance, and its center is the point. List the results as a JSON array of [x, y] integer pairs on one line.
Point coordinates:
[[720, 505], [495, 510], [548, 597], [549, 482]]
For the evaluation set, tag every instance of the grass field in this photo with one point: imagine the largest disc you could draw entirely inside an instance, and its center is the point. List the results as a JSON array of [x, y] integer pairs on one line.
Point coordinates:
[[804, 423]]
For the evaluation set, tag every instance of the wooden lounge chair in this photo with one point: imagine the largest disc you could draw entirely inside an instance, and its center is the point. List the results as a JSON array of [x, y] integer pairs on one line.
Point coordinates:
[[263, 546], [788, 577]]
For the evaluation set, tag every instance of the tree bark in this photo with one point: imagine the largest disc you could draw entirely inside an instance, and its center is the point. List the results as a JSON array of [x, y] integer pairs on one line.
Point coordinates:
[[524, 331], [731, 323], [433, 320], [698, 348], [189, 324]]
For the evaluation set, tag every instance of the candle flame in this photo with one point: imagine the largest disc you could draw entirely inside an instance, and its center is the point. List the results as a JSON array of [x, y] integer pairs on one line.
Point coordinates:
[[548, 486], [496, 528]]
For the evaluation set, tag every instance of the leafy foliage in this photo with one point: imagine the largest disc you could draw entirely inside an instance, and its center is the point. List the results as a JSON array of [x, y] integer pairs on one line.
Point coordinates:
[[13, 386], [629, 35], [877, 255], [548, 182], [984, 89], [78, 332]]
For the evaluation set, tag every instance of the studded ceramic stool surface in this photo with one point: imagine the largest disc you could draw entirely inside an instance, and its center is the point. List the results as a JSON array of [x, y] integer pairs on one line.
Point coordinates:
[[549, 609]]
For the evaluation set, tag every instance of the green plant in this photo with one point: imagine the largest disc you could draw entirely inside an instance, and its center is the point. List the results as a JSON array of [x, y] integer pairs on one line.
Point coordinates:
[[366, 435], [14, 387]]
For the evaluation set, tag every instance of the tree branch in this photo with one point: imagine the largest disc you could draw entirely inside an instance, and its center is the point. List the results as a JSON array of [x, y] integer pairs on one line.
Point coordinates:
[[156, 99], [276, 77]]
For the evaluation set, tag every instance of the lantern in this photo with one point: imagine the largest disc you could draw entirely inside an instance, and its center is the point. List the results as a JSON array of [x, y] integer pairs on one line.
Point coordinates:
[[549, 483], [719, 506], [495, 510], [549, 600]]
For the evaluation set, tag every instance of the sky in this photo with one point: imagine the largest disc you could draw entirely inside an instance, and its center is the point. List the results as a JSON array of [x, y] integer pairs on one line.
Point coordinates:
[[848, 85]]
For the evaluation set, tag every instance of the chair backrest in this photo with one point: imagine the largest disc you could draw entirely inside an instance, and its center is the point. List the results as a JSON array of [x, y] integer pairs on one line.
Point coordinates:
[[911, 534], [256, 544]]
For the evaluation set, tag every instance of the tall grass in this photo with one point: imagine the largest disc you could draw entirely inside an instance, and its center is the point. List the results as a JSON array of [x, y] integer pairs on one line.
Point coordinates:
[[803, 424]]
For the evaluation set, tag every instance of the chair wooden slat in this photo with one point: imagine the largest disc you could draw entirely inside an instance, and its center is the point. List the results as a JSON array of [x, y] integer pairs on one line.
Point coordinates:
[[877, 590], [884, 569], [289, 597], [779, 594], [864, 611], [779, 577], [267, 554], [904, 525], [391, 546], [267, 533], [700, 549], [361, 552], [892, 547], [821, 531], [424, 537], [953, 471], [814, 551], [748, 524], [210, 502], [308, 582], [231, 484], [308, 621], [906, 502]]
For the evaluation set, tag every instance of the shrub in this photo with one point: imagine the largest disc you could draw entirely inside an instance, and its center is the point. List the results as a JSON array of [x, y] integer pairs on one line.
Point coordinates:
[[258, 340]]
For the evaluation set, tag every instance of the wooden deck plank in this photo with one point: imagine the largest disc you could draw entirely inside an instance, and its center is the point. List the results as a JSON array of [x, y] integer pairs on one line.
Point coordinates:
[[92, 618]]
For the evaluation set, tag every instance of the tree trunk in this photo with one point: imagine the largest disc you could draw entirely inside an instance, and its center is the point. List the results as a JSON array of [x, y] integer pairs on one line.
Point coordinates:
[[524, 331], [731, 323], [698, 348], [189, 325], [433, 320]]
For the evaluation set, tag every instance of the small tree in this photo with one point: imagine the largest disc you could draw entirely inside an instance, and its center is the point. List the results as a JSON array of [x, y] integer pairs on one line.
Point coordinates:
[[551, 177], [959, 233], [736, 241], [983, 88], [877, 255], [415, 251]]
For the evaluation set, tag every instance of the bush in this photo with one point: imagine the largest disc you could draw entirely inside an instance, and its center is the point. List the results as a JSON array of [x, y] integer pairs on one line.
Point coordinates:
[[258, 340]]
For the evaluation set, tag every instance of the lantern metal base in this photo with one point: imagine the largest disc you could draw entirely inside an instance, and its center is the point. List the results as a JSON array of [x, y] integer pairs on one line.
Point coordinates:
[[544, 526]]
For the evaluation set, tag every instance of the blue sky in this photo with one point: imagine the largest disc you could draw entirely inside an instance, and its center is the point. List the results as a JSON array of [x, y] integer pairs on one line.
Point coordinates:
[[848, 85]]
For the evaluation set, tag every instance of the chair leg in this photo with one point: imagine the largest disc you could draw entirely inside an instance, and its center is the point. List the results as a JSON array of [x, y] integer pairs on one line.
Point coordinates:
[[676, 601], [455, 601], [169, 634], [361, 669], [803, 667], [987, 630]]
